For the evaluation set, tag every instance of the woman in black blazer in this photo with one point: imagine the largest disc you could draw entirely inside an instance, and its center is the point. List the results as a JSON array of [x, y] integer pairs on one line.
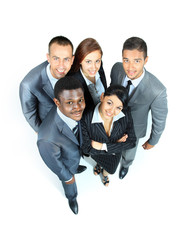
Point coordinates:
[[88, 69], [107, 130]]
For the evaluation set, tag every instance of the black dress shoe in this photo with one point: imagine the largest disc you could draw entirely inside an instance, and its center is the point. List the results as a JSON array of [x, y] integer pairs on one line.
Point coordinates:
[[73, 206], [81, 168], [123, 172]]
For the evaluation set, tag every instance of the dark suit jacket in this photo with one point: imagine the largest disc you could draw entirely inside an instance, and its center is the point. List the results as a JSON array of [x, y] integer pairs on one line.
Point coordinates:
[[87, 95], [96, 132], [58, 146], [36, 95]]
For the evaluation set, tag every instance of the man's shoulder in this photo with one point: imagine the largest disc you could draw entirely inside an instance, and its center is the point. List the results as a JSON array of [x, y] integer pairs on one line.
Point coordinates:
[[34, 74], [48, 126], [154, 81], [117, 66]]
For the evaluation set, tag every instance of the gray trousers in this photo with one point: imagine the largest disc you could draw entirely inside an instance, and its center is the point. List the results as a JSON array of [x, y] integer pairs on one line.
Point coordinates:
[[70, 190], [128, 156]]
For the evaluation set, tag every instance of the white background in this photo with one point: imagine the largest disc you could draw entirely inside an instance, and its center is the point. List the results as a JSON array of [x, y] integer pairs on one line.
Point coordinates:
[[151, 202]]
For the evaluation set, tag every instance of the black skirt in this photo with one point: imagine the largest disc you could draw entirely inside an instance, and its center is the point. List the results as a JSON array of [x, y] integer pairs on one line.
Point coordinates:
[[108, 161]]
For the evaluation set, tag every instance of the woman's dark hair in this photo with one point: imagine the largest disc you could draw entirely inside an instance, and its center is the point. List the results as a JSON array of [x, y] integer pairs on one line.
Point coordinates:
[[118, 91], [66, 83], [87, 46], [135, 43]]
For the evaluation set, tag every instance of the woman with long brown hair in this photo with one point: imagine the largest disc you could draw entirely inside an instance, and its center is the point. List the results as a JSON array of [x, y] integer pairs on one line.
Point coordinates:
[[88, 69]]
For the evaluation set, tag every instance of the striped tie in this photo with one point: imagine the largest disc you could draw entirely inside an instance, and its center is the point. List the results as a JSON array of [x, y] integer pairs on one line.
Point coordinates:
[[75, 131]]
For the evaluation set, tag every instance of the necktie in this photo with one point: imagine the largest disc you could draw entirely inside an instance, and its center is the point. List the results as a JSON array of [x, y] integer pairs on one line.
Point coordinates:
[[75, 131], [129, 83]]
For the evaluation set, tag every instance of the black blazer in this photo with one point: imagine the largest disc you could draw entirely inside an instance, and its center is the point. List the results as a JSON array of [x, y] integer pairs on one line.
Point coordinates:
[[87, 95], [96, 132]]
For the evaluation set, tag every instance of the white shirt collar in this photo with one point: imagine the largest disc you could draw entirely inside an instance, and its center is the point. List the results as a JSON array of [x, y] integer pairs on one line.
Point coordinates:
[[136, 81], [51, 78], [88, 82], [97, 118], [70, 122]]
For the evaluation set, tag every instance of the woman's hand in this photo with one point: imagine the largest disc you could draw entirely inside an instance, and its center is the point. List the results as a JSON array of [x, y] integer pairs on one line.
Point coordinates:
[[96, 145], [123, 139]]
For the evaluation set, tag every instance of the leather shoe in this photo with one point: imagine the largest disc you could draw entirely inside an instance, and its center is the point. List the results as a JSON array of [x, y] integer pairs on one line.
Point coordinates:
[[73, 206], [81, 168], [123, 172]]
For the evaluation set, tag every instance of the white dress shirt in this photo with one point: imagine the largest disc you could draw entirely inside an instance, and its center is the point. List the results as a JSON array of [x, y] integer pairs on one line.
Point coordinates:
[[95, 89], [134, 82], [51, 78]]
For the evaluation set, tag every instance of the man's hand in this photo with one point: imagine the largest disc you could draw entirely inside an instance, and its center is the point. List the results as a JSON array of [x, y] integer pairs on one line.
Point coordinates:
[[147, 146]]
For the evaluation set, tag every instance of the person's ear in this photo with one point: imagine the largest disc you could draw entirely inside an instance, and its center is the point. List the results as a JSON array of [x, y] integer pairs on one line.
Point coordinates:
[[48, 57], [146, 60], [56, 101], [72, 59], [102, 97]]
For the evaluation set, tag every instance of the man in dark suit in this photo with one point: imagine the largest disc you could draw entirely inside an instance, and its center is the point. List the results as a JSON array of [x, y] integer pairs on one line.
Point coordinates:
[[36, 89], [58, 143], [146, 93]]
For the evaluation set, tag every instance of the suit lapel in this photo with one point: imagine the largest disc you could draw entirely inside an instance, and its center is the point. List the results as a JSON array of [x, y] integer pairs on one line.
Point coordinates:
[[116, 129], [65, 130], [139, 96], [47, 87], [100, 130]]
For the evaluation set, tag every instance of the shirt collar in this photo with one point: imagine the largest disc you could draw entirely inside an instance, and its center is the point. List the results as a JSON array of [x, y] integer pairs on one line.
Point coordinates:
[[51, 78], [97, 117], [70, 122], [88, 82], [136, 81]]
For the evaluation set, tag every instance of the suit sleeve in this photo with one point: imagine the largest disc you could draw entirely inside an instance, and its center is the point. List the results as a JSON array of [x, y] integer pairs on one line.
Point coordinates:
[[159, 112], [29, 104], [131, 140], [51, 154]]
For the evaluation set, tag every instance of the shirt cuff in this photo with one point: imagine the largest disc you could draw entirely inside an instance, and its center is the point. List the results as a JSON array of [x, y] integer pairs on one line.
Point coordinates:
[[104, 147]]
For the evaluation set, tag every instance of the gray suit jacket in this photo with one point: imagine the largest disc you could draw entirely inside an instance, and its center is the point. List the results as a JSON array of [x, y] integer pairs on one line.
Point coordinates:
[[150, 94], [58, 146], [36, 95]]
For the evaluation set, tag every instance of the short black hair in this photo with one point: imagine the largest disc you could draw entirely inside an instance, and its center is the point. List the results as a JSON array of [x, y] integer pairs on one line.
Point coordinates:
[[119, 91], [135, 43], [60, 40], [66, 83]]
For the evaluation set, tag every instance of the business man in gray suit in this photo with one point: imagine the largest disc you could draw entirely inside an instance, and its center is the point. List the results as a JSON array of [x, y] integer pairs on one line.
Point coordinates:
[[36, 89], [146, 93], [58, 143]]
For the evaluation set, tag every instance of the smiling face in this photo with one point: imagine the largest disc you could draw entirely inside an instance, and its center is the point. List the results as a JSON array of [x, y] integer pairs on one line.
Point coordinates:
[[110, 106], [91, 64], [133, 63], [60, 59], [71, 103]]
